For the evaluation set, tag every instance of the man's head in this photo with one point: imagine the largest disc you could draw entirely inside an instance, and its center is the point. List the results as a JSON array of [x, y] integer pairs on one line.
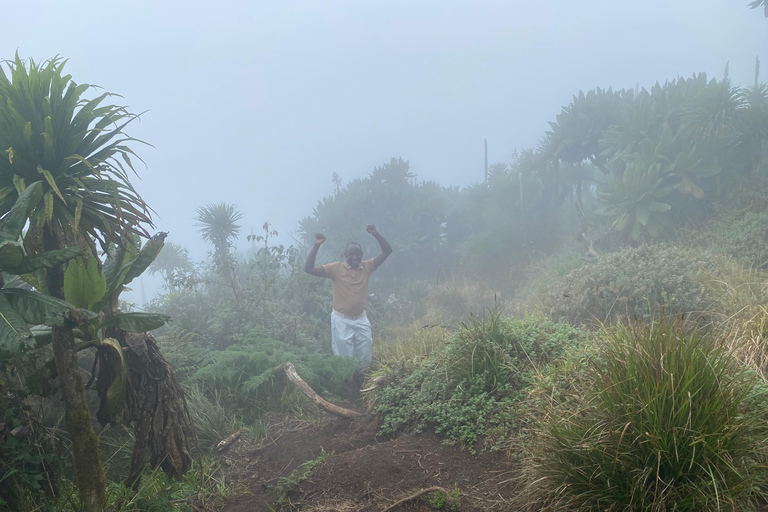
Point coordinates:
[[353, 254]]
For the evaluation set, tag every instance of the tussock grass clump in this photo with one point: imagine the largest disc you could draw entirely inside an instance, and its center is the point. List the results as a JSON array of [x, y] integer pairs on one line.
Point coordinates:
[[739, 311], [663, 425], [213, 421], [411, 344]]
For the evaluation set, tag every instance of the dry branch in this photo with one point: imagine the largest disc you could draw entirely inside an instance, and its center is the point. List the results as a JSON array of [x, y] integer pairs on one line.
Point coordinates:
[[290, 372], [224, 444]]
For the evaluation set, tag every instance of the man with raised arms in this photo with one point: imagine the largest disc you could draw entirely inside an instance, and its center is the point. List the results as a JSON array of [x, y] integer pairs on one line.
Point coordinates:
[[350, 328]]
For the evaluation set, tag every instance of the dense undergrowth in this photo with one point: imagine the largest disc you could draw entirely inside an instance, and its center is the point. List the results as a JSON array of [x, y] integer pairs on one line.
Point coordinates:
[[472, 384]]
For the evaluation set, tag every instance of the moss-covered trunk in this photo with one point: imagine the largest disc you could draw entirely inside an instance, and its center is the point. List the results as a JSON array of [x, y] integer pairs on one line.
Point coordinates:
[[85, 445], [89, 475]]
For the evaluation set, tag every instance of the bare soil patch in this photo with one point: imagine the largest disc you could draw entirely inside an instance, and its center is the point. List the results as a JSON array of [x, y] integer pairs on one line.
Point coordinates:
[[363, 471]]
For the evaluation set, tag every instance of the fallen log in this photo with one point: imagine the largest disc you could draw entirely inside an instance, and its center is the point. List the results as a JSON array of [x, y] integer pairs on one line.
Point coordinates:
[[290, 372]]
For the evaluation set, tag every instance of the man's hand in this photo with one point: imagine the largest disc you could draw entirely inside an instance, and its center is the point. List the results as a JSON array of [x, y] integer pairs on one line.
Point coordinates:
[[386, 249], [309, 265]]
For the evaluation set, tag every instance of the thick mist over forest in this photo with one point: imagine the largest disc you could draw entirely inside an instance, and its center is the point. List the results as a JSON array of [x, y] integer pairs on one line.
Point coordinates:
[[342, 256], [259, 105]]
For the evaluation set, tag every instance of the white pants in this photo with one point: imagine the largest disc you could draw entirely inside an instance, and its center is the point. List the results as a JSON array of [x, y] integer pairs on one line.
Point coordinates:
[[351, 337]]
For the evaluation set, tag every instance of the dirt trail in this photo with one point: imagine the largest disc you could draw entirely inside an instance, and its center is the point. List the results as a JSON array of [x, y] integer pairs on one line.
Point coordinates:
[[362, 470]]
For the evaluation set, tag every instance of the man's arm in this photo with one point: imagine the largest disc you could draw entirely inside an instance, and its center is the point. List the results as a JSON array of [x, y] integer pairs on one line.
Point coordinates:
[[386, 249], [309, 266]]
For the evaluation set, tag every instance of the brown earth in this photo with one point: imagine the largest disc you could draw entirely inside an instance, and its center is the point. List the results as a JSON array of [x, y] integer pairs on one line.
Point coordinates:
[[362, 471]]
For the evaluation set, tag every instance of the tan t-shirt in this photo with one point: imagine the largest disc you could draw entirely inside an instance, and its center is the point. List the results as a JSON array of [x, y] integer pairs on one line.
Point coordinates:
[[350, 286]]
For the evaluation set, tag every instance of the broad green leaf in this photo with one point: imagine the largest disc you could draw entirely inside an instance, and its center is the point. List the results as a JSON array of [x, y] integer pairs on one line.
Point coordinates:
[[642, 214], [118, 263], [84, 285], [15, 336], [43, 335], [11, 255], [36, 308], [656, 206], [35, 279], [48, 259], [116, 259], [22, 208], [115, 399], [146, 256], [136, 322]]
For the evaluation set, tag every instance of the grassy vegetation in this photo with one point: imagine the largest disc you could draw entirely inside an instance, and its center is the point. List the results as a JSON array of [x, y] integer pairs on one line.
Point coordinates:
[[661, 423], [472, 384]]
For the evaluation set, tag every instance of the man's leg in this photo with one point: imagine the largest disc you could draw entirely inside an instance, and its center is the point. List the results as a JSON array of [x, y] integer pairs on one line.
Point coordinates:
[[342, 336], [363, 341]]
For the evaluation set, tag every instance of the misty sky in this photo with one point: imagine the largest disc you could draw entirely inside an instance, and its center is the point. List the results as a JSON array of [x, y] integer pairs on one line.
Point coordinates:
[[257, 103]]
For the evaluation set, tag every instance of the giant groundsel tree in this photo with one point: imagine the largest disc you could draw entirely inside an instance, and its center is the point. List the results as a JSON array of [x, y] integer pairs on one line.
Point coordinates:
[[52, 132]]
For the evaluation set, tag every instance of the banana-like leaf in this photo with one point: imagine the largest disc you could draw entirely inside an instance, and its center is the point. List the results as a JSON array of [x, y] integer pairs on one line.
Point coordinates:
[[136, 322], [37, 308], [43, 335], [115, 399], [11, 255], [146, 256], [20, 211], [36, 279], [113, 264], [48, 259], [84, 285], [117, 264], [15, 336]]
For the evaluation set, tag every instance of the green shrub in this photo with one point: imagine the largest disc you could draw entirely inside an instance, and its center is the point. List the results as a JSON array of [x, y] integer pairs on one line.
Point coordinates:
[[631, 284], [742, 235], [472, 384], [664, 424], [241, 380]]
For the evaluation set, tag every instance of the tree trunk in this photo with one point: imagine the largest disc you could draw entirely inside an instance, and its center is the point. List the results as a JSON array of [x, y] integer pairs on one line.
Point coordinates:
[[89, 474]]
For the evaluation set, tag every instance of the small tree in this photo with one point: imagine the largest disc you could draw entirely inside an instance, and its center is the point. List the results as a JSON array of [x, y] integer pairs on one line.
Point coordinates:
[[217, 224]]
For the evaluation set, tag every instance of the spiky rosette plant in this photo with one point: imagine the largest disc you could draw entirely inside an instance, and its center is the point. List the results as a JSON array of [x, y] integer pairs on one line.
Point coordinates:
[[51, 131]]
